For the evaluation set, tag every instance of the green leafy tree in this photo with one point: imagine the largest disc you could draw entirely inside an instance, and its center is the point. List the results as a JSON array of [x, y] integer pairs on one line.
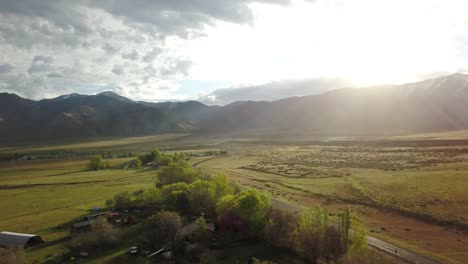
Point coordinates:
[[165, 161], [122, 200], [352, 234], [225, 204], [156, 155], [313, 235], [177, 172], [97, 163], [201, 195], [137, 163], [201, 234], [221, 185], [252, 206]]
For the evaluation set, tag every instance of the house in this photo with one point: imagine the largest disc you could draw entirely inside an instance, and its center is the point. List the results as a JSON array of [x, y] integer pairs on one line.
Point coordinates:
[[96, 216], [188, 231], [18, 240], [82, 226]]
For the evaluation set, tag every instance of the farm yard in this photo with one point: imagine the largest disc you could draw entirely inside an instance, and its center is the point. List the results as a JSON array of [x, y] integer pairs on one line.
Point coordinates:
[[411, 196]]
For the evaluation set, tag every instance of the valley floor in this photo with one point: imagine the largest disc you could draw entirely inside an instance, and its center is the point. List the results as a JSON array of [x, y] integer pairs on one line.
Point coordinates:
[[412, 197]]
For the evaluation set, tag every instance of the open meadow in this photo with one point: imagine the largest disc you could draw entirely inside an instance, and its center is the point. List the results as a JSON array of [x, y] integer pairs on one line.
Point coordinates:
[[411, 196]]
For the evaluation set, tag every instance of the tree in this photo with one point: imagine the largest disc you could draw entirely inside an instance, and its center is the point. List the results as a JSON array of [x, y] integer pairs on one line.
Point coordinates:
[[201, 195], [178, 201], [155, 156], [352, 235], [137, 163], [250, 206], [97, 163], [280, 228], [166, 190], [165, 161], [109, 203], [177, 172], [162, 227], [122, 200], [313, 235], [221, 185], [201, 234], [225, 204]]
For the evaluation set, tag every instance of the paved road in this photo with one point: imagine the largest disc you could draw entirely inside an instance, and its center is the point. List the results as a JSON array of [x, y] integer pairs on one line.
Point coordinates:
[[396, 251], [373, 242]]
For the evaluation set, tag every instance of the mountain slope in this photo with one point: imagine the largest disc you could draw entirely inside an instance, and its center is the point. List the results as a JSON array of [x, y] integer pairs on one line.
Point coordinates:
[[434, 105], [74, 115]]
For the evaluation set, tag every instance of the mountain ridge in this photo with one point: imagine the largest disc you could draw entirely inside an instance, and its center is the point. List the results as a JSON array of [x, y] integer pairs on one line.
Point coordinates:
[[428, 106]]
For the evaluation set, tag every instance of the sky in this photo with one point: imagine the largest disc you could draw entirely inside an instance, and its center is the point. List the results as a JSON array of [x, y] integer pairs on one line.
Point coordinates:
[[218, 52]]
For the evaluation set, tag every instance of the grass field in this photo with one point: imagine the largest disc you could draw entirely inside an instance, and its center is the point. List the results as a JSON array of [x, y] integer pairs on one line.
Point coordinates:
[[45, 196], [399, 191]]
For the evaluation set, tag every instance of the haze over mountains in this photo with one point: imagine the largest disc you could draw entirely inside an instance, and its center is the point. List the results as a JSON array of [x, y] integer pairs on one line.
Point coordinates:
[[433, 105]]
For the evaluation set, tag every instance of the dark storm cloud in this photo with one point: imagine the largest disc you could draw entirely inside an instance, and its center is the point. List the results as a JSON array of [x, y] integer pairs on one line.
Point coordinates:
[[272, 91], [5, 68]]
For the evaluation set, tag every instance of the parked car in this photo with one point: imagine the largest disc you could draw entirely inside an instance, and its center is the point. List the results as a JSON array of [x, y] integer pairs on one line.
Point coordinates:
[[133, 251]]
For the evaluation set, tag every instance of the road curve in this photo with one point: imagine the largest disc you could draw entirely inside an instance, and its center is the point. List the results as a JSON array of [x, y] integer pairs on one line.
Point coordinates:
[[372, 241]]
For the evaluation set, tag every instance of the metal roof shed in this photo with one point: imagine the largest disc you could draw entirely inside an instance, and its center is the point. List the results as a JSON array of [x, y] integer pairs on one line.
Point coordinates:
[[18, 240]]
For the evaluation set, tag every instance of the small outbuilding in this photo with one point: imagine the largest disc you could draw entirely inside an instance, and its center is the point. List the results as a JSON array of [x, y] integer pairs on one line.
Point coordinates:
[[18, 240]]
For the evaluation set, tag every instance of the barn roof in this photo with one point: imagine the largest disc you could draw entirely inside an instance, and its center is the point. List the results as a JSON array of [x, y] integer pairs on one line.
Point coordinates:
[[18, 240]]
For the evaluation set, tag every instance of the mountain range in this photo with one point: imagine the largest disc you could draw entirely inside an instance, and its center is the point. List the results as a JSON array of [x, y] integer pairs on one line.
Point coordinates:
[[439, 104]]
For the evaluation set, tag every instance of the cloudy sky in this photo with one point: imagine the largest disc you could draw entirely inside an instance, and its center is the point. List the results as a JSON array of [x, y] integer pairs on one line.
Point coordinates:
[[220, 51]]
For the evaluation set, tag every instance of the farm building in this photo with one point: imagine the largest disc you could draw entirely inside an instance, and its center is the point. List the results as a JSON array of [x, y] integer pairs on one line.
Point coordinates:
[[82, 226], [18, 240], [96, 216], [188, 231]]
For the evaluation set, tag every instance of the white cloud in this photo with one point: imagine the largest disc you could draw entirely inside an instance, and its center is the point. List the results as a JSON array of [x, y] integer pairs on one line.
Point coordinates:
[[144, 51]]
